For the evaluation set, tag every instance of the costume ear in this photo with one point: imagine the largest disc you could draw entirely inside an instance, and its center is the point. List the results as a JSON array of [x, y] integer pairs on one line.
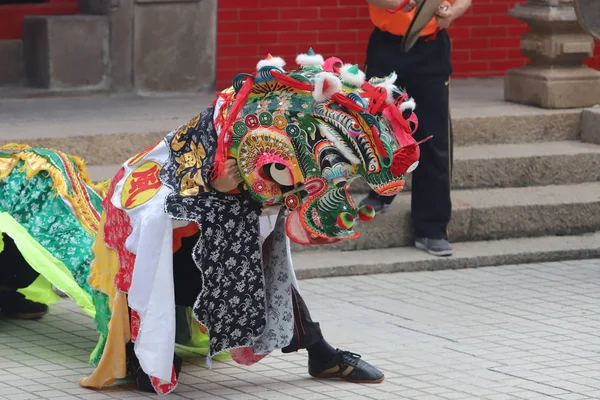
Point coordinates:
[[326, 85], [271, 61], [333, 64]]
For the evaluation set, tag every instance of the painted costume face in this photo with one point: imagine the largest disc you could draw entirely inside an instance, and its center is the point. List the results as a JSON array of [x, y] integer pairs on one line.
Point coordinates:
[[301, 138]]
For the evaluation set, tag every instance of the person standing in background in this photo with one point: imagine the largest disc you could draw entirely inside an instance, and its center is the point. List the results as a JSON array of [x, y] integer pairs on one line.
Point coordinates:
[[424, 71]]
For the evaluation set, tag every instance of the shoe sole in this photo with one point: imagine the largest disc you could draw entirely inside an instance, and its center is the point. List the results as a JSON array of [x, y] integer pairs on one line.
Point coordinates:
[[327, 376], [441, 253]]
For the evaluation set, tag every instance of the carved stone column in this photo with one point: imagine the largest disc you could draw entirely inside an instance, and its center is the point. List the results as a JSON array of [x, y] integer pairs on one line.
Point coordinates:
[[557, 47]]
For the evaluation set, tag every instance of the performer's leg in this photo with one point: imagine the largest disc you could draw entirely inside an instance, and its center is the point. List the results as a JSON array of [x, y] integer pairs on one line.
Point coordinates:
[[16, 273], [185, 278], [323, 360], [142, 380], [424, 71], [431, 206]]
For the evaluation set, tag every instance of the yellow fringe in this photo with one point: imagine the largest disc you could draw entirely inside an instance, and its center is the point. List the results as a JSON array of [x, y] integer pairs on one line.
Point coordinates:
[[34, 164]]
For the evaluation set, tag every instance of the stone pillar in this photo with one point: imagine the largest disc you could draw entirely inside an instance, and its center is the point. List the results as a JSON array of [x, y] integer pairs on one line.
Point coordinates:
[[557, 47], [174, 45]]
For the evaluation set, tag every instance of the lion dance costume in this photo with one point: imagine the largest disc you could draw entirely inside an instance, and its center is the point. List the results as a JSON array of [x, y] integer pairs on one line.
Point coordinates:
[[49, 216], [175, 257]]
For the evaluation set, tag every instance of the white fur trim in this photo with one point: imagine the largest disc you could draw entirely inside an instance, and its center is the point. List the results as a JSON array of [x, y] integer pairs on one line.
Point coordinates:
[[271, 62], [409, 104], [389, 84], [345, 150], [334, 86], [305, 60], [352, 79]]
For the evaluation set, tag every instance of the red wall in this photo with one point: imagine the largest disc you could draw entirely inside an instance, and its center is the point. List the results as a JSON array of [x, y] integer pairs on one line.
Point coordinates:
[[11, 16], [485, 40]]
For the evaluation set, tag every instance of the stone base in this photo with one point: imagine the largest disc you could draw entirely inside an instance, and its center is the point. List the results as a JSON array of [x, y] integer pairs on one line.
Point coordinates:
[[554, 87], [11, 64], [66, 51], [590, 125]]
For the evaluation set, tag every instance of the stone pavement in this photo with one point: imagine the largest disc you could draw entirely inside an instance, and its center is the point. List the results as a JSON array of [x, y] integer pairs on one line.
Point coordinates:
[[513, 332]]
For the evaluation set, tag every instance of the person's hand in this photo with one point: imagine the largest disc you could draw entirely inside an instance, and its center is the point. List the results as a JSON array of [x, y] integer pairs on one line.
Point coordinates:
[[445, 15], [230, 179]]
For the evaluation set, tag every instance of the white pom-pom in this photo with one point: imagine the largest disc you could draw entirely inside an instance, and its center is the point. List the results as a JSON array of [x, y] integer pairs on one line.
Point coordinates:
[[352, 75], [271, 61], [326, 85], [409, 104], [308, 60]]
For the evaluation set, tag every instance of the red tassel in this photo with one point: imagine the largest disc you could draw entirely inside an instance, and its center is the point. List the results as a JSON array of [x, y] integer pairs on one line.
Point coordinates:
[[377, 96], [346, 102], [378, 142], [291, 82]]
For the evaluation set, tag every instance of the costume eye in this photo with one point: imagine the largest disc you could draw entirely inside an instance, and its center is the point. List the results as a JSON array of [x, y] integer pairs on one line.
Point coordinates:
[[281, 174]]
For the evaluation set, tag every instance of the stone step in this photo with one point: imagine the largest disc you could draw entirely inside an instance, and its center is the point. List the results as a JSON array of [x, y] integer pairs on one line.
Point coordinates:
[[519, 165], [323, 264], [486, 214], [489, 166], [106, 130]]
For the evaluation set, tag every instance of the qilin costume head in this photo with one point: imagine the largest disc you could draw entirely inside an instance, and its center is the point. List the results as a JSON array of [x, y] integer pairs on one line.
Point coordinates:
[[301, 137]]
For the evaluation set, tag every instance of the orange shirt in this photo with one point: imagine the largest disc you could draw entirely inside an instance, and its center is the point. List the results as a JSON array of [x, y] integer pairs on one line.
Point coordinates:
[[397, 23]]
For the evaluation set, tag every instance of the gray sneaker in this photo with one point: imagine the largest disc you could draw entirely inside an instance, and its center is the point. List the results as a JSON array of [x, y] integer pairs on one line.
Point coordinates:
[[377, 204], [437, 247]]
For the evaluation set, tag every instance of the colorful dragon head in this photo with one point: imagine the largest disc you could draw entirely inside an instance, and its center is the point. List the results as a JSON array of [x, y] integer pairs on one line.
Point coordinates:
[[301, 137]]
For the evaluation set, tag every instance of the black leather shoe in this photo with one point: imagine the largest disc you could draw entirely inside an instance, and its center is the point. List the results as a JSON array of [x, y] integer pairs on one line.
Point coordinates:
[[14, 305], [346, 366]]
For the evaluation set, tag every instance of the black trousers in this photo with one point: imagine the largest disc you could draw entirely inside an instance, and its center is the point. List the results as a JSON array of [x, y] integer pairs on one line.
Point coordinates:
[[15, 272], [424, 72]]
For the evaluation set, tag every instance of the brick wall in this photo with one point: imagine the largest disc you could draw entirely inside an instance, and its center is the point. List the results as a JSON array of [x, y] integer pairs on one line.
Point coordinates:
[[11, 16], [485, 40]]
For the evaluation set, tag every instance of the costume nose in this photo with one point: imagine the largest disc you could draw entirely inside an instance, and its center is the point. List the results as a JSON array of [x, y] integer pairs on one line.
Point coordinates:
[[405, 160]]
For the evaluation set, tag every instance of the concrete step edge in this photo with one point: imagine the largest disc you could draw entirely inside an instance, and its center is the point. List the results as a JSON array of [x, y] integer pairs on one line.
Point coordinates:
[[486, 214], [322, 264]]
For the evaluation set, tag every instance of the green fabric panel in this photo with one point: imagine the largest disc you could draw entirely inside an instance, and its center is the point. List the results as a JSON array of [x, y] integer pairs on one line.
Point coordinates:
[[42, 261], [40, 291]]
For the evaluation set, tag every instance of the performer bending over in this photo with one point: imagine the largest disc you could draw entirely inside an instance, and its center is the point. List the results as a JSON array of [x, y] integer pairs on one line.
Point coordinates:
[[195, 233]]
